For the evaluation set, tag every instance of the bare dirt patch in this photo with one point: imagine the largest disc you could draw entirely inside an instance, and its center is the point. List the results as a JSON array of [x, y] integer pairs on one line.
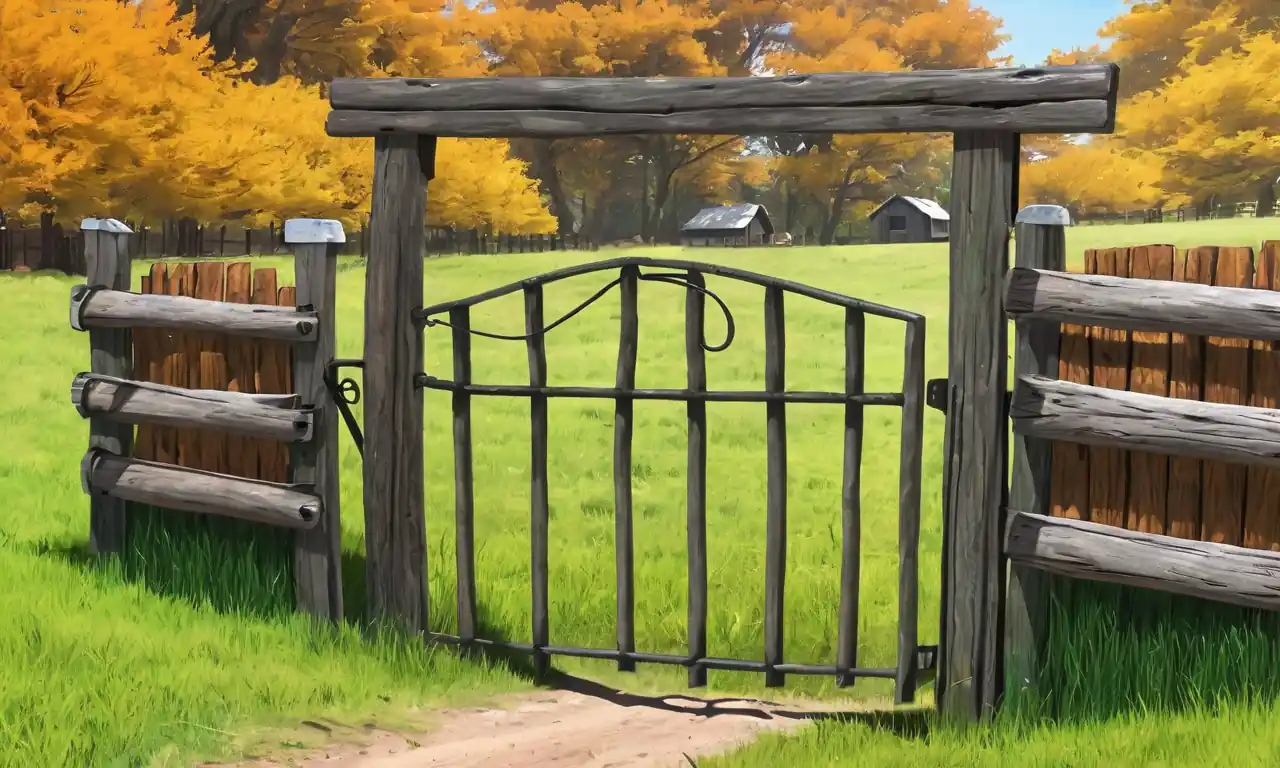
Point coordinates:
[[563, 729]]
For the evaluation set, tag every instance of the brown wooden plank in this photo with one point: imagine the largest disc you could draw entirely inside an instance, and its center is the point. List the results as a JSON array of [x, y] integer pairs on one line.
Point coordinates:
[[1262, 488], [242, 452], [181, 363], [1226, 380], [1186, 373], [211, 282], [1069, 489], [269, 378], [1109, 349], [1149, 374], [161, 370], [144, 350]]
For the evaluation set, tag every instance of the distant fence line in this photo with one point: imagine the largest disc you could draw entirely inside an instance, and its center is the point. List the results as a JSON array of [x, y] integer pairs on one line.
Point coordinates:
[[55, 248], [1185, 213]]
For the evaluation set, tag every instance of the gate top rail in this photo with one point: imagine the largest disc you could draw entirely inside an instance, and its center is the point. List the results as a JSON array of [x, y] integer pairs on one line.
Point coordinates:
[[765, 281]]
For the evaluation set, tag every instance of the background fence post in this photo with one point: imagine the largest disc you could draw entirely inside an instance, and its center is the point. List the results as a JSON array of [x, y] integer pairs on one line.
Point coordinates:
[[984, 198], [395, 531], [107, 265], [317, 560], [1041, 243]]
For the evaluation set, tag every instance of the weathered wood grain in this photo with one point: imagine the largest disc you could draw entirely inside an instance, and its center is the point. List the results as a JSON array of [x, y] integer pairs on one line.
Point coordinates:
[[107, 266], [984, 192], [1186, 378], [210, 363], [1226, 380], [1082, 550], [1069, 490], [274, 417], [775, 557], [855, 347], [1149, 375], [121, 309], [671, 94], [242, 452], [1262, 487], [1039, 246], [317, 552], [395, 528], [539, 503], [1109, 352], [1144, 305], [696, 474], [464, 486], [1062, 410], [194, 490], [623, 428], [272, 361], [910, 453], [1083, 116]]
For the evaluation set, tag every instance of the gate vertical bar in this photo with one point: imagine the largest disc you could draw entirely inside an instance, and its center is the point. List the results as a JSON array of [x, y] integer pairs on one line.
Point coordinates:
[[107, 265], [775, 558], [539, 509], [912, 448], [317, 559], [395, 529], [984, 193], [463, 475], [1041, 244], [696, 491], [623, 424], [855, 345]]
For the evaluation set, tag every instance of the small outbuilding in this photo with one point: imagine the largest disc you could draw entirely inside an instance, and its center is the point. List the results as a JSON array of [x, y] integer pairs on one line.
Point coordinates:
[[904, 219], [742, 224]]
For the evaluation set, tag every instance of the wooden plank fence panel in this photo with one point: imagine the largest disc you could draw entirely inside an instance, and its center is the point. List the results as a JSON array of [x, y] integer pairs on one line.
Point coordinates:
[[1069, 490], [1226, 365], [1149, 374], [211, 281], [1262, 486], [1109, 349], [242, 452], [1186, 375]]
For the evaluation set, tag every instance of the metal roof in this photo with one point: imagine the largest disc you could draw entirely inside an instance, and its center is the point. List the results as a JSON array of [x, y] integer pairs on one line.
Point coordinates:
[[725, 217], [929, 208]]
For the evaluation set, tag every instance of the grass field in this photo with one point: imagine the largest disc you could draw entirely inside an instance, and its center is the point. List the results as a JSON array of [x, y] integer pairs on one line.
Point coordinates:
[[102, 670]]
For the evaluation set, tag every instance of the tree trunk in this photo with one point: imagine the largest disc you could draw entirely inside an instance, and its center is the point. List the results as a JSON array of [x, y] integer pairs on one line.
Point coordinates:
[[542, 164], [1266, 197], [271, 54], [836, 213]]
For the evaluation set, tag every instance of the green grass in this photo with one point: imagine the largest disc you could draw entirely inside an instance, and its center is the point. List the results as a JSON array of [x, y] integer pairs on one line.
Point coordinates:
[[115, 666]]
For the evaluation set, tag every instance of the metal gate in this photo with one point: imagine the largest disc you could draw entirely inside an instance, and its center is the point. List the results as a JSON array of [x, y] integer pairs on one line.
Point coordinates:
[[912, 659]]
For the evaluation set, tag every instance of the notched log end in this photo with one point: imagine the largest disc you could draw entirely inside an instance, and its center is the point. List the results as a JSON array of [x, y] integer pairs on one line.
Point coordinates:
[[87, 464], [79, 297], [1020, 290], [79, 390]]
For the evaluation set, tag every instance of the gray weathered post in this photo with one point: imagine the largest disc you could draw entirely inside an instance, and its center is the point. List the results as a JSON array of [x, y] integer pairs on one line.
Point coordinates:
[[107, 265], [984, 194], [395, 531], [317, 561], [1041, 243]]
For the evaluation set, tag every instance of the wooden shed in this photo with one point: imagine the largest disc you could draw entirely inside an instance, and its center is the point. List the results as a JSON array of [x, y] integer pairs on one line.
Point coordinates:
[[904, 219], [742, 224]]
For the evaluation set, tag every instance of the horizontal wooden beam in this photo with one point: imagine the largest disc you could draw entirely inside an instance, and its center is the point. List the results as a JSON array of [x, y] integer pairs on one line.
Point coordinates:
[[966, 87], [273, 417], [1082, 550], [1142, 305], [1079, 413], [1083, 116], [103, 308], [193, 490]]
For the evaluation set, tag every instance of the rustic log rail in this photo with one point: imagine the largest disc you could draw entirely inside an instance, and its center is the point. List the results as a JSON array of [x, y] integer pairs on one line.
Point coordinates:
[[113, 402], [273, 417], [1083, 550]]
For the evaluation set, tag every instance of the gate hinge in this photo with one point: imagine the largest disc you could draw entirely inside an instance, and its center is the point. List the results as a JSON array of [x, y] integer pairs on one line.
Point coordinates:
[[937, 393]]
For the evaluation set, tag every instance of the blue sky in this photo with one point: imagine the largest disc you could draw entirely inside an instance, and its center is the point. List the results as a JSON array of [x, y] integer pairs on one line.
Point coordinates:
[[1039, 26]]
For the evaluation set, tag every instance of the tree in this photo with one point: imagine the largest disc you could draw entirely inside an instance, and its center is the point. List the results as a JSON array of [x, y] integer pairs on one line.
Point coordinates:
[[1101, 176]]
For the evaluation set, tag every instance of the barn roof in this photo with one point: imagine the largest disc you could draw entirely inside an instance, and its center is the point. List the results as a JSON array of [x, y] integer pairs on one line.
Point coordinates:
[[929, 208], [726, 217]]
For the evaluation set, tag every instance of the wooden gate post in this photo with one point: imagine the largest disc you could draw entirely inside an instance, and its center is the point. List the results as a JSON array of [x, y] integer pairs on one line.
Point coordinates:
[[107, 265], [395, 531], [1041, 243], [317, 560], [984, 197]]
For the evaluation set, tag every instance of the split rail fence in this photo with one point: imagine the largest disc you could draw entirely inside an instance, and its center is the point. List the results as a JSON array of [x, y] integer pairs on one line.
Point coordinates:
[[223, 374], [1146, 429]]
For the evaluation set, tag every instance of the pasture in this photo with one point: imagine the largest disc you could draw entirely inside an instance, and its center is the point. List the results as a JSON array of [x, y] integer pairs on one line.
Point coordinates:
[[102, 670]]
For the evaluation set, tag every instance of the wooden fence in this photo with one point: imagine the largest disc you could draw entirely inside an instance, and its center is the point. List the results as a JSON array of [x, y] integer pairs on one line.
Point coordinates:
[[1183, 497]]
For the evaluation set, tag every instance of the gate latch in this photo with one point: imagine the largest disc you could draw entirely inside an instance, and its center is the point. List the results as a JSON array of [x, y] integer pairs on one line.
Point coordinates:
[[938, 391]]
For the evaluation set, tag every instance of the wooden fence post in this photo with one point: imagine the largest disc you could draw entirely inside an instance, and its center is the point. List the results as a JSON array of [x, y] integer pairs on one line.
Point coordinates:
[[395, 531], [984, 197], [1041, 243], [317, 560], [107, 265]]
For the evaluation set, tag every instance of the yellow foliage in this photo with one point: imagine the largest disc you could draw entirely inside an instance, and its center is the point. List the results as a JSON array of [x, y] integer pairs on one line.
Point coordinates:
[[1095, 177]]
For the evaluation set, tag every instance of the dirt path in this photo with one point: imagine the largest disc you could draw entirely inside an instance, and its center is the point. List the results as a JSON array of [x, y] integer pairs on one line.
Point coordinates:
[[566, 730]]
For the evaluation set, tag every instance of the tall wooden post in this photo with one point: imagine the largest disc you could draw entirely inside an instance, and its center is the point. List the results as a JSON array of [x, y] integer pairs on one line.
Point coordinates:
[[107, 265], [395, 532], [1041, 243], [317, 560], [984, 194]]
